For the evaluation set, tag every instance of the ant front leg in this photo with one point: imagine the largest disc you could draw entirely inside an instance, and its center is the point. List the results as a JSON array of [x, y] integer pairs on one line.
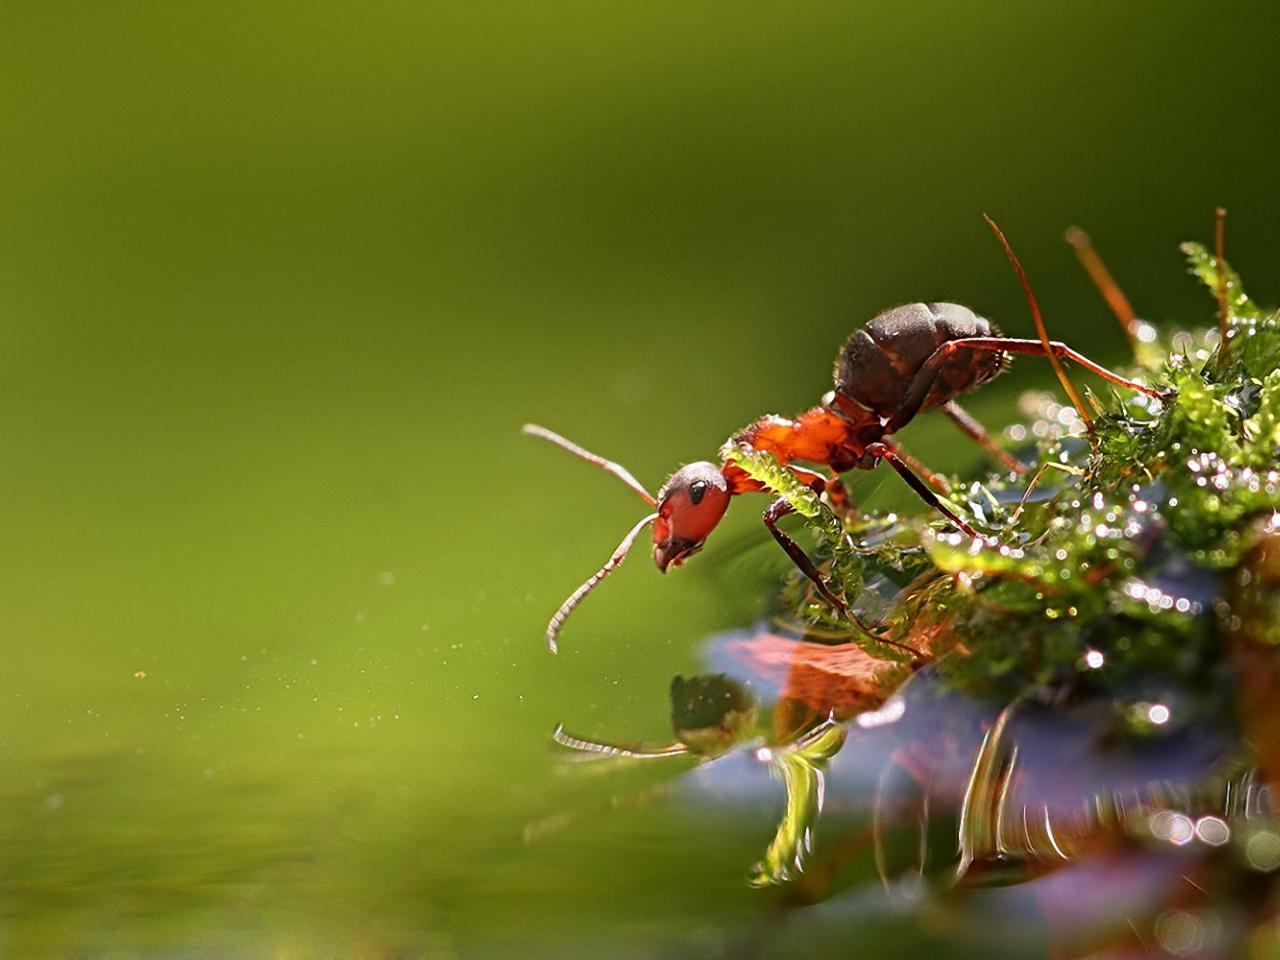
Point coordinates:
[[772, 514], [837, 493], [886, 452], [775, 512], [838, 496], [814, 481], [831, 484]]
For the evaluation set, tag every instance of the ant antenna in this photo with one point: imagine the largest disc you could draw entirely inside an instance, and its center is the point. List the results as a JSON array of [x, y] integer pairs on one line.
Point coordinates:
[[617, 469], [636, 752], [1039, 322], [1105, 283], [575, 598], [1219, 242]]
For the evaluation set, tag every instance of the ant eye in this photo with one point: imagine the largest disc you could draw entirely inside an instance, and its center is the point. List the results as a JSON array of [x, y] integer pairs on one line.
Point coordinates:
[[697, 490]]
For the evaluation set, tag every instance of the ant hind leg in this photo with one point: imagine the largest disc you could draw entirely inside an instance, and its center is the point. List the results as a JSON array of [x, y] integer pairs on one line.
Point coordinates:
[[1058, 349]]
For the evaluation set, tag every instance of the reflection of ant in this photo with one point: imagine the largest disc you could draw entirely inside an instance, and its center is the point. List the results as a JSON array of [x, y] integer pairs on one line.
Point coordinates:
[[905, 361]]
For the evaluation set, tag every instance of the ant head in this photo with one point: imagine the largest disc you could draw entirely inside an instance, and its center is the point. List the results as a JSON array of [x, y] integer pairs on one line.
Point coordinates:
[[690, 504], [688, 508]]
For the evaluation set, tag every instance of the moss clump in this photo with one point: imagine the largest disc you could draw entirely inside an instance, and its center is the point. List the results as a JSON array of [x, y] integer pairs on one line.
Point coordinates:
[[1115, 550], [1137, 562]]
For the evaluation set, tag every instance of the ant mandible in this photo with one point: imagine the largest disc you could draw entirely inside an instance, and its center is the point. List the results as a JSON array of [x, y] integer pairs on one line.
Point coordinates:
[[903, 362]]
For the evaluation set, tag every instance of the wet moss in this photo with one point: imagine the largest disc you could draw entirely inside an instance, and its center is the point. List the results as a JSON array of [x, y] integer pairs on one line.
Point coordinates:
[[1105, 567], [1133, 567]]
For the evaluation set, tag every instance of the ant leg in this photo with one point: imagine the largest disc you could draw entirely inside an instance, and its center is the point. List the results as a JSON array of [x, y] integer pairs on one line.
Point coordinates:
[[919, 389], [885, 452], [832, 486], [838, 496], [972, 428], [931, 368], [1059, 370], [934, 480], [1059, 349], [772, 514], [814, 481], [837, 493], [775, 512], [928, 373]]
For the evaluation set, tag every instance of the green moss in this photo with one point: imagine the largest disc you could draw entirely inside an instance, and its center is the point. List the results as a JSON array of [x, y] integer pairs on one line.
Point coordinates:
[[1120, 552], [801, 766], [1138, 562]]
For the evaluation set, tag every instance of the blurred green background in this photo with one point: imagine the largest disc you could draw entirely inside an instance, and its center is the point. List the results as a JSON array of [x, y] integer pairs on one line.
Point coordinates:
[[279, 284]]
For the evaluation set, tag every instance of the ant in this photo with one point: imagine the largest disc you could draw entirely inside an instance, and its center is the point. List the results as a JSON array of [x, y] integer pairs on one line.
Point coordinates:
[[903, 362]]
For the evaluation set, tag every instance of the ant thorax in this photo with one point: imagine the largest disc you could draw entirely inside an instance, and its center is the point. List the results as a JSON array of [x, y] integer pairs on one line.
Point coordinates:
[[821, 435]]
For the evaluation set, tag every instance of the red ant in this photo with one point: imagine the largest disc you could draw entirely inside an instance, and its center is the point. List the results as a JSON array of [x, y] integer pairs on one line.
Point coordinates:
[[904, 361]]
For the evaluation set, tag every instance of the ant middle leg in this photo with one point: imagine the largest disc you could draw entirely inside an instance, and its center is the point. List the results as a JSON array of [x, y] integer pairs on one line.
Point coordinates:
[[935, 480], [886, 452], [974, 430]]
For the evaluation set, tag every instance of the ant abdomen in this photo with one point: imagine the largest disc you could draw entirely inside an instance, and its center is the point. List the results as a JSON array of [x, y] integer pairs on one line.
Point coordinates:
[[878, 363]]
